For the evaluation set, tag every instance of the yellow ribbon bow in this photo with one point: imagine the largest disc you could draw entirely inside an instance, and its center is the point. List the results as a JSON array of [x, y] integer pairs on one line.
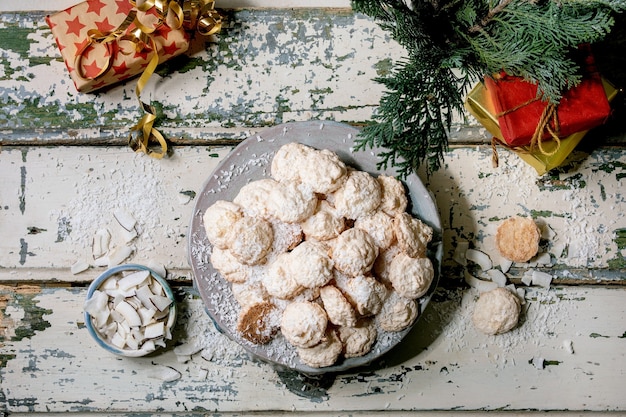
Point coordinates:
[[192, 15]]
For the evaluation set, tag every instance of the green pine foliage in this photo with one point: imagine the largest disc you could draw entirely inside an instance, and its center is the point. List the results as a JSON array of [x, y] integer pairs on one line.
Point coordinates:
[[450, 44]]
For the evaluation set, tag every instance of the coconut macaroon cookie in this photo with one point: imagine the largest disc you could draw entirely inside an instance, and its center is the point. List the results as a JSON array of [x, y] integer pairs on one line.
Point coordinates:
[[231, 269], [311, 265], [219, 219], [303, 323], [257, 322], [379, 226], [324, 224], [324, 353], [354, 252], [366, 294], [323, 171], [339, 310], [413, 235], [517, 238], [411, 277], [394, 199], [358, 340], [290, 202], [496, 311], [397, 313], [359, 195], [287, 159], [279, 279], [254, 196], [250, 240]]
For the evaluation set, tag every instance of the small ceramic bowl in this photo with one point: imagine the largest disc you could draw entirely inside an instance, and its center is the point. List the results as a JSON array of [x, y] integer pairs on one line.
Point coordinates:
[[133, 317]]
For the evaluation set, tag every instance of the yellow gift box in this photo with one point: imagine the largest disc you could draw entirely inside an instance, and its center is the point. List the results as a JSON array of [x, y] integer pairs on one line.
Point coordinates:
[[480, 105]]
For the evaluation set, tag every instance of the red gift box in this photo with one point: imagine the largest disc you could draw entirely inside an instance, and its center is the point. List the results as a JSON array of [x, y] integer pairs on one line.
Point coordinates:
[[519, 110], [93, 65]]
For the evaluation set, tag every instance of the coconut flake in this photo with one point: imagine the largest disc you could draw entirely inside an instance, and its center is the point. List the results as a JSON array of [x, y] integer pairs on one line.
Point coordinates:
[[479, 284], [125, 219], [78, 267], [543, 259], [134, 279], [154, 330], [160, 302], [119, 254], [479, 258], [100, 244], [157, 267], [527, 278], [130, 314], [505, 264], [497, 276], [541, 279]]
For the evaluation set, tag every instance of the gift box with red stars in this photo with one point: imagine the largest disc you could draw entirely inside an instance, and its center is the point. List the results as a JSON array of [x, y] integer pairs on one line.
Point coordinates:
[[94, 65]]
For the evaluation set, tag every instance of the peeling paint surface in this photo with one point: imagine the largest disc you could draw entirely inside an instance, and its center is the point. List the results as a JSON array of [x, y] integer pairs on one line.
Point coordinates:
[[66, 168], [437, 364]]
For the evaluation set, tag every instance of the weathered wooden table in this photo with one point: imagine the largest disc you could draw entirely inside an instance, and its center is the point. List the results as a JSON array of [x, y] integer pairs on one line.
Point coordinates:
[[65, 169]]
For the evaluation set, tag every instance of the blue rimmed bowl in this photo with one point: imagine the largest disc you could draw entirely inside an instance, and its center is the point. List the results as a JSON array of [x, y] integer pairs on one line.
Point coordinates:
[[144, 346]]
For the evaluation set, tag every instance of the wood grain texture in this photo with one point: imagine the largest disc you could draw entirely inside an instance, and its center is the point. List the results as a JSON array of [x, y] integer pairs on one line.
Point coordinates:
[[444, 363], [66, 169], [266, 66], [54, 200]]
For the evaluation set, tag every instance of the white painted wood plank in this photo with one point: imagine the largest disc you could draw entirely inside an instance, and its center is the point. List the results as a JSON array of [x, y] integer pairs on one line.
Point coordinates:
[[444, 364], [256, 72], [54, 200]]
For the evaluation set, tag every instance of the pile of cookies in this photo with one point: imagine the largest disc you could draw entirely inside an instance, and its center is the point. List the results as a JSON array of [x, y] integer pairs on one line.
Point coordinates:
[[322, 253]]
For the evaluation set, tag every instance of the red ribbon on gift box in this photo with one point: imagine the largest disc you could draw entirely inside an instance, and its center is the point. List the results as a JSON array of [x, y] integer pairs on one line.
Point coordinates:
[[525, 119]]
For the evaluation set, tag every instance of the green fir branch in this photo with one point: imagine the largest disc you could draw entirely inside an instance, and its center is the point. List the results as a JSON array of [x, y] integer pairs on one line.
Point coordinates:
[[450, 44]]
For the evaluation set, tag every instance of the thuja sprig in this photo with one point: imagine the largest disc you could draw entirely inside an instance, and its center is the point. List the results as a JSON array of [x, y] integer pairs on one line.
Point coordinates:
[[450, 44]]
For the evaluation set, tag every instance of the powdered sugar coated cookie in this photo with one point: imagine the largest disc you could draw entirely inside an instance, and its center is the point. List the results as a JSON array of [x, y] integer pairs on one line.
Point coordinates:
[[219, 219], [411, 277], [339, 310], [413, 235], [394, 199], [303, 323], [354, 252], [359, 195], [496, 311]]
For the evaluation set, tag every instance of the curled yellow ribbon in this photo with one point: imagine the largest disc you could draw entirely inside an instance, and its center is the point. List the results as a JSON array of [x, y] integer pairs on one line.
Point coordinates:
[[192, 15]]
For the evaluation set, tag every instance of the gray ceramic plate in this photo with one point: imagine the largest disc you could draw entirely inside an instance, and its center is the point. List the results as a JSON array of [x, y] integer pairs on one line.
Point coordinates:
[[250, 161]]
